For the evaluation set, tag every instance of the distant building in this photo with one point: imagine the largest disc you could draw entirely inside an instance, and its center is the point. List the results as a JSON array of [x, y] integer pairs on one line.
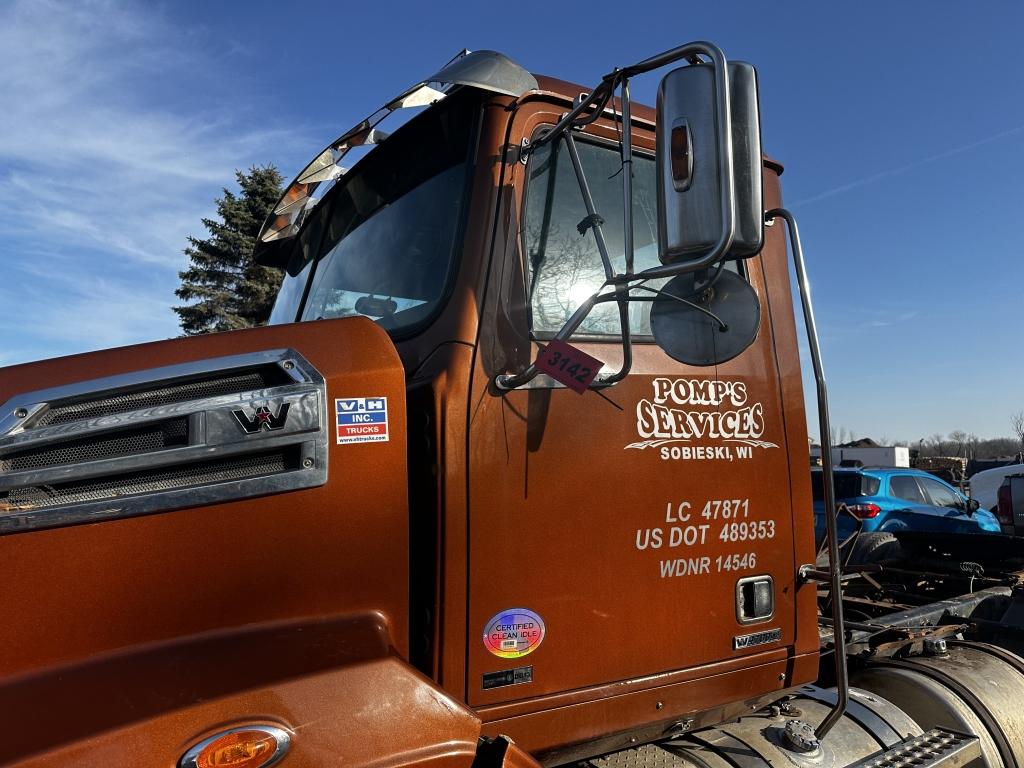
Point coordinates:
[[864, 453]]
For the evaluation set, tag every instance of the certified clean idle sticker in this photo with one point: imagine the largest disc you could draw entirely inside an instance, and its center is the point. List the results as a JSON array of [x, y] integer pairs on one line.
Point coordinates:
[[362, 419], [514, 633]]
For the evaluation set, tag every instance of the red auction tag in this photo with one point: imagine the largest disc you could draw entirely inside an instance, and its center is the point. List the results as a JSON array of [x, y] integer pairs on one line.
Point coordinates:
[[568, 365]]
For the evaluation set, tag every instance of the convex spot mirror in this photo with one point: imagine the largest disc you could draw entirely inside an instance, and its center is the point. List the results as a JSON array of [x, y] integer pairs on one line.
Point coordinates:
[[690, 174], [702, 322]]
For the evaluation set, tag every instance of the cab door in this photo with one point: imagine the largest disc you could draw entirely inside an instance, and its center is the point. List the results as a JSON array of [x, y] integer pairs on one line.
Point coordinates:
[[952, 508], [597, 551]]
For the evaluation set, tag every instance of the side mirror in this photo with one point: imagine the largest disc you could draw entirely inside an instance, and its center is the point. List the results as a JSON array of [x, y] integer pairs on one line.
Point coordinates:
[[690, 174], [973, 505]]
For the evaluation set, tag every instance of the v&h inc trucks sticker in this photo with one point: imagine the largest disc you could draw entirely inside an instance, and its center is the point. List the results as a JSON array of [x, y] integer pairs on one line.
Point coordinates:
[[361, 419], [700, 419]]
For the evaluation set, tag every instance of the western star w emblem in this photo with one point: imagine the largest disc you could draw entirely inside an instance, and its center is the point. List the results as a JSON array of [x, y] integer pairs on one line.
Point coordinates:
[[262, 419], [757, 638]]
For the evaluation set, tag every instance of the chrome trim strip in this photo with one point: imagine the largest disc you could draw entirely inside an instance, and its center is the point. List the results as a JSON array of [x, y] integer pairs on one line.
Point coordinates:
[[282, 738], [96, 426], [191, 496], [97, 470], [110, 386], [543, 381]]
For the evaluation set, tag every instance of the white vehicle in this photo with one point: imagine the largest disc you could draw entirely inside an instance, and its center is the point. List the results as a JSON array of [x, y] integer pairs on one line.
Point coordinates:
[[869, 456], [985, 484]]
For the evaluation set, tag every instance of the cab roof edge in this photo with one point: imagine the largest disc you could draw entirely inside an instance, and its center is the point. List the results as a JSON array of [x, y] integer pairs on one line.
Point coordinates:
[[486, 70]]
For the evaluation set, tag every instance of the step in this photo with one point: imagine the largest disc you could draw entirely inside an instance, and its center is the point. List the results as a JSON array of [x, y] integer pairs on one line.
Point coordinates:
[[644, 756], [938, 747]]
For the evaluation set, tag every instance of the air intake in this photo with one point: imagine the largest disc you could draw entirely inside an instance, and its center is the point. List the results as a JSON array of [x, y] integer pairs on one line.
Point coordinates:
[[172, 433], [149, 441], [202, 388]]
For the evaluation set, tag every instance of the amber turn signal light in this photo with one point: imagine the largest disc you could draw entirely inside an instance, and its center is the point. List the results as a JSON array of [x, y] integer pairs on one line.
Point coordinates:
[[251, 746], [682, 155]]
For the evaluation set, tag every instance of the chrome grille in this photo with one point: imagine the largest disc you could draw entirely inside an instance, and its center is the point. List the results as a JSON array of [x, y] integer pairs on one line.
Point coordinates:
[[166, 438]]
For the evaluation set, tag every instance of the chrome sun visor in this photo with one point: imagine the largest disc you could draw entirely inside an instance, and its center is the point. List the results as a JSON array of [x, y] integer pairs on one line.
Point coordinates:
[[487, 70]]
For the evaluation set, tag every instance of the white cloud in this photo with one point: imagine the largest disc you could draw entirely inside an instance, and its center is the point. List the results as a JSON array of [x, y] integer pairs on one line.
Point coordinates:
[[66, 309], [911, 166], [117, 130], [886, 318]]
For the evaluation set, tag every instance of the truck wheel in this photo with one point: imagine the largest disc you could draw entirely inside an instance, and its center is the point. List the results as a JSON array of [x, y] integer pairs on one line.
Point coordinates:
[[874, 548]]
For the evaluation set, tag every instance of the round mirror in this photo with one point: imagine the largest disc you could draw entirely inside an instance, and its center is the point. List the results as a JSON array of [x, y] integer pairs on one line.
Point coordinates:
[[705, 326]]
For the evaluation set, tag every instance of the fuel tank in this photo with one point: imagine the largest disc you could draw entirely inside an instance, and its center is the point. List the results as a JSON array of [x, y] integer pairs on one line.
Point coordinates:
[[968, 686], [873, 731], [772, 737]]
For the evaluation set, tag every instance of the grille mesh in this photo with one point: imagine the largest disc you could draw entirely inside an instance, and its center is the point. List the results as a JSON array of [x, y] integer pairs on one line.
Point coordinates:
[[238, 381], [153, 481], [130, 442]]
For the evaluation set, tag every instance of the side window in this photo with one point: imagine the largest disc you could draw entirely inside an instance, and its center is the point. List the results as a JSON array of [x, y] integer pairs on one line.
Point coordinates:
[[905, 487], [940, 495], [563, 260], [869, 485]]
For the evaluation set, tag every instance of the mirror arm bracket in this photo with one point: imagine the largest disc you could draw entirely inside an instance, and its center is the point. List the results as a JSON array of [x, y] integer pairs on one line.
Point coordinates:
[[622, 296], [627, 177], [506, 382], [599, 97], [593, 219]]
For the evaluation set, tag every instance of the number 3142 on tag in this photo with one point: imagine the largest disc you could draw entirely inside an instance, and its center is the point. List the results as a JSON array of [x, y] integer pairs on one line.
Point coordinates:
[[568, 365]]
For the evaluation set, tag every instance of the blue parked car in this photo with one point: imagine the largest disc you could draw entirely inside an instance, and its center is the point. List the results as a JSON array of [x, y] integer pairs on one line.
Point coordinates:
[[898, 499]]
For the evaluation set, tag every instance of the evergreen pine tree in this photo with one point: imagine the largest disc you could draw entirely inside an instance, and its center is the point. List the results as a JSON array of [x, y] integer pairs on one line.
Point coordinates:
[[229, 290]]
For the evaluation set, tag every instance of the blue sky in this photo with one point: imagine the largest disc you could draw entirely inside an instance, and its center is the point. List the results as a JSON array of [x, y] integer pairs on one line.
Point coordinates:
[[901, 126]]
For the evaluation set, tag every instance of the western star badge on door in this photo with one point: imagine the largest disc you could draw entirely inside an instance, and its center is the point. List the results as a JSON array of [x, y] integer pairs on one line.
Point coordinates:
[[568, 365]]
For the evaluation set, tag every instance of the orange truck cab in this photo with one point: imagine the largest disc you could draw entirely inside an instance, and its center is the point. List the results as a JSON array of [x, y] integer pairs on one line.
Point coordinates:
[[416, 512]]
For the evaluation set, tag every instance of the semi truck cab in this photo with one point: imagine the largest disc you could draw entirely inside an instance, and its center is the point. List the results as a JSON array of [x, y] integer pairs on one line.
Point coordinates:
[[517, 472], [599, 512]]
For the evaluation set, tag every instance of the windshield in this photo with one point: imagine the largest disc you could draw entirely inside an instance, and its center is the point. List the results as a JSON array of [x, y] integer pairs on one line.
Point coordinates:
[[383, 245]]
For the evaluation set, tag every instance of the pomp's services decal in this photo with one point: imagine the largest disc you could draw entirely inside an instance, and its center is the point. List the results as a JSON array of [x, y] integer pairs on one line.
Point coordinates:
[[362, 419], [514, 633], [700, 419]]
